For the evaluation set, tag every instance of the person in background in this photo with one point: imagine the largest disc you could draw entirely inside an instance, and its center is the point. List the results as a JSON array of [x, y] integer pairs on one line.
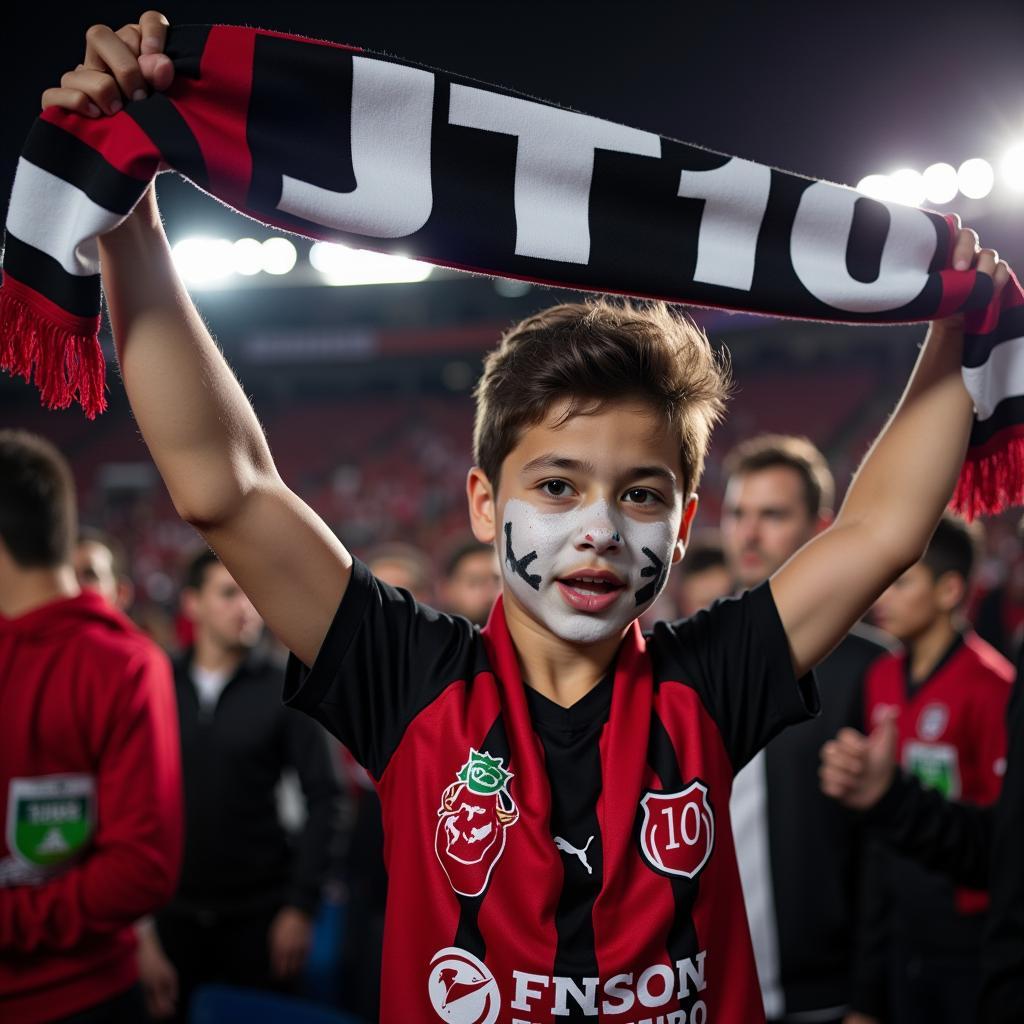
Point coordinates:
[[471, 581], [90, 773], [405, 567], [102, 565], [704, 575], [779, 494], [975, 846], [947, 691], [243, 911]]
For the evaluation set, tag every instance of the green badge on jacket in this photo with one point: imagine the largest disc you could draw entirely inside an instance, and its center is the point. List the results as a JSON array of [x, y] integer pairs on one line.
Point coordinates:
[[50, 819]]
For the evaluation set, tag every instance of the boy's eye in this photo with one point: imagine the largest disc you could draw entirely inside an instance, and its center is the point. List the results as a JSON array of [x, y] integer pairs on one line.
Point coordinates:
[[640, 496], [555, 488]]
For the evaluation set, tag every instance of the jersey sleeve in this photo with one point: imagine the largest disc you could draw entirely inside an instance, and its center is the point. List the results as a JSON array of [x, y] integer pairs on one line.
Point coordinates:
[[737, 656], [384, 659]]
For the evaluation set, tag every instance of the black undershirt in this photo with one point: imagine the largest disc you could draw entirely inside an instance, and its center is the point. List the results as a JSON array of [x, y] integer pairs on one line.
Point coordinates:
[[570, 738]]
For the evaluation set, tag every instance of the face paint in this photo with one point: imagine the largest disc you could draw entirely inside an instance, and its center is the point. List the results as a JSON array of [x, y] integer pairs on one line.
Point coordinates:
[[543, 548]]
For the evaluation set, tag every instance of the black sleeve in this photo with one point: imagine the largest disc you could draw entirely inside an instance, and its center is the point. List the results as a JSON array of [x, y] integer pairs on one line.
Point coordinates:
[[1002, 997], [920, 823], [737, 656], [384, 659], [306, 751]]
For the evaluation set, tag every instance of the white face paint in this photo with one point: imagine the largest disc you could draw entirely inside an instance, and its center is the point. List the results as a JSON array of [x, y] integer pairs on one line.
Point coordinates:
[[538, 549]]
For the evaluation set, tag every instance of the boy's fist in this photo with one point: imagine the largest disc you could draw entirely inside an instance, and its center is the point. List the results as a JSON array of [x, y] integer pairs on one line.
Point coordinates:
[[118, 66]]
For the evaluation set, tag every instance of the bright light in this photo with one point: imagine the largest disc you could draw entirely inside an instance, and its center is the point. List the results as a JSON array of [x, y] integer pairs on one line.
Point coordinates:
[[341, 265], [975, 178], [203, 260], [278, 255], [907, 187], [940, 183], [876, 186], [247, 257], [1012, 167]]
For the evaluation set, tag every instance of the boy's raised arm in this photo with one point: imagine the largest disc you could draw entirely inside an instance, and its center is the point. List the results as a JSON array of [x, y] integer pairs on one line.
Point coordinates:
[[200, 428], [896, 498]]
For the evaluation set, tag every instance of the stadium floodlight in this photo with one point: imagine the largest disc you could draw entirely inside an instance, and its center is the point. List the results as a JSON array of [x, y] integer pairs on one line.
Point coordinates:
[[341, 265], [247, 257], [940, 183], [278, 255], [876, 186], [1012, 167], [975, 178], [907, 187], [203, 261]]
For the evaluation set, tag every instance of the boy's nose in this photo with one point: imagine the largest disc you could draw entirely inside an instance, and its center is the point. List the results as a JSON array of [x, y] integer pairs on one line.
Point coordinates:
[[602, 538]]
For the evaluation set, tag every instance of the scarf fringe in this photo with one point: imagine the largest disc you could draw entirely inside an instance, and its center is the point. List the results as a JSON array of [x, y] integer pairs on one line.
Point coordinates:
[[990, 483], [65, 366]]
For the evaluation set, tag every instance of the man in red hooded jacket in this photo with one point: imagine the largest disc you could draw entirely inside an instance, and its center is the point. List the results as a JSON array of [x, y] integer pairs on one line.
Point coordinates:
[[90, 776]]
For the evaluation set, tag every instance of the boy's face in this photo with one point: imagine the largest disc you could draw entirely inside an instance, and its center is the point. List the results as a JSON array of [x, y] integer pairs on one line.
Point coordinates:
[[589, 516], [916, 601]]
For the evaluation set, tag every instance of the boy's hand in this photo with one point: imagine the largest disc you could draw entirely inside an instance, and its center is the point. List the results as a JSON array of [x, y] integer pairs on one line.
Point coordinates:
[[968, 254], [858, 770], [118, 66]]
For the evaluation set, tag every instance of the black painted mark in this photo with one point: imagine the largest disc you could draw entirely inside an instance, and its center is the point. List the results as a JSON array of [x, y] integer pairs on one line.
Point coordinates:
[[519, 565], [658, 570]]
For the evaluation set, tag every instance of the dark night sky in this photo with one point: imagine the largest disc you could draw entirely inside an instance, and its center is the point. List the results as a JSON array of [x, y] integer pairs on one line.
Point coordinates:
[[827, 89]]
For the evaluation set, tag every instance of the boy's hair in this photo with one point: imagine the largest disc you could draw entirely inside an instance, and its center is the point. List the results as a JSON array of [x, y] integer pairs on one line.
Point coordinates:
[[196, 567], [593, 353], [954, 547], [464, 549], [770, 451], [118, 554], [38, 510]]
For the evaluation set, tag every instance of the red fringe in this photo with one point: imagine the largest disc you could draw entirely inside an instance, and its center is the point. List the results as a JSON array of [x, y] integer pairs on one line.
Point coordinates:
[[991, 482], [66, 366]]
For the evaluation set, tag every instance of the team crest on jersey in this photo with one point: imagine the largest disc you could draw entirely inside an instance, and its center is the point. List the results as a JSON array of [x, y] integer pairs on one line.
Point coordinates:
[[932, 721], [475, 813], [461, 988], [677, 834]]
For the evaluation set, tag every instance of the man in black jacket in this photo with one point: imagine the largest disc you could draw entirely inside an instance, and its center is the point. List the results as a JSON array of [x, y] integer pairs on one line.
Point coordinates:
[[976, 846], [244, 907], [799, 855]]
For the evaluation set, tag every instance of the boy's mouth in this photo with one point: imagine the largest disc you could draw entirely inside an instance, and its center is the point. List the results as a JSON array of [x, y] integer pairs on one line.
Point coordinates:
[[590, 591]]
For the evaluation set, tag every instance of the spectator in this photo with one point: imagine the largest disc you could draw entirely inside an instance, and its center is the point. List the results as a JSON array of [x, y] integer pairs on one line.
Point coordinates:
[[778, 496], [90, 776], [948, 690], [404, 566], [471, 581], [704, 575], [102, 565], [243, 911]]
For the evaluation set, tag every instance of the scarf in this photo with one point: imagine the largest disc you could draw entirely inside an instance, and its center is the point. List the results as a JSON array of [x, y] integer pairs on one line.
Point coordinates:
[[335, 143]]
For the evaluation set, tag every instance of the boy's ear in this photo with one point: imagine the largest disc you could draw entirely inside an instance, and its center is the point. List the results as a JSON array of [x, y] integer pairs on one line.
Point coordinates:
[[689, 512], [482, 510]]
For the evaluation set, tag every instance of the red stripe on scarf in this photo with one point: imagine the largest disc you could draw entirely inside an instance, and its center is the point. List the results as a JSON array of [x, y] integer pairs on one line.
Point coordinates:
[[118, 139]]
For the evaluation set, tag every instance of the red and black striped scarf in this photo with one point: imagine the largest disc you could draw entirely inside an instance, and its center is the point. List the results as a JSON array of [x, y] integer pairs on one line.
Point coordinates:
[[336, 143]]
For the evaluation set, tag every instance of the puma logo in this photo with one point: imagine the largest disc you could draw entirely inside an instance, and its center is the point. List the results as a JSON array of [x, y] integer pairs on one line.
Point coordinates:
[[566, 847]]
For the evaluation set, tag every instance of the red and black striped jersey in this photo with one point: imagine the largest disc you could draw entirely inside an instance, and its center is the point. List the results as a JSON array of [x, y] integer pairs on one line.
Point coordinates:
[[952, 725], [551, 863]]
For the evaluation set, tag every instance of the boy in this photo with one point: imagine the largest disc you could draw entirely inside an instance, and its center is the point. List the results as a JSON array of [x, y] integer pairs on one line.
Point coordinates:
[[949, 690], [554, 789]]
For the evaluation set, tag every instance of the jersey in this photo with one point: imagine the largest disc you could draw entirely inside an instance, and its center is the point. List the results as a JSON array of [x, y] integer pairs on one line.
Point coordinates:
[[951, 726], [551, 863]]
